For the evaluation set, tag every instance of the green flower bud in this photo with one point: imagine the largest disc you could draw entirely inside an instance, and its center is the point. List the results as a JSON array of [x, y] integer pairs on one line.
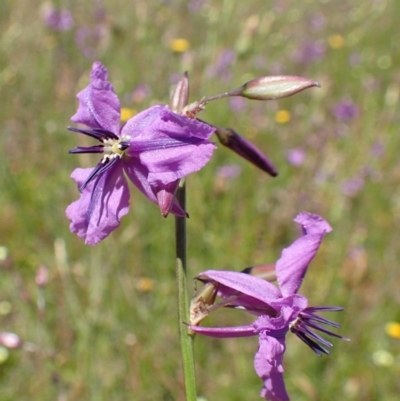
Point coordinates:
[[268, 88]]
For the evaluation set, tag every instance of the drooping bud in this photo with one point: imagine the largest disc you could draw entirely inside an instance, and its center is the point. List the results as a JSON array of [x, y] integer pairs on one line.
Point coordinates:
[[232, 140], [268, 88], [180, 96]]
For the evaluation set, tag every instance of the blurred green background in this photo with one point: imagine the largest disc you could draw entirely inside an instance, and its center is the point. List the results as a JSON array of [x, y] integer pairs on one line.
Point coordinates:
[[104, 326]]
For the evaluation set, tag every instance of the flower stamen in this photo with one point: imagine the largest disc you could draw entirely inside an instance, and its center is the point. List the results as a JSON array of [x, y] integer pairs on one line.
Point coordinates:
[[115, 149], [303, 324]]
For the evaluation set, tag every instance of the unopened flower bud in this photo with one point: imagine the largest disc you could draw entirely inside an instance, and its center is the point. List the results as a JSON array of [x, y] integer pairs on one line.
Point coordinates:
[[229, 138], [277, 87], [166, 199], [180, 96], [10, 340]]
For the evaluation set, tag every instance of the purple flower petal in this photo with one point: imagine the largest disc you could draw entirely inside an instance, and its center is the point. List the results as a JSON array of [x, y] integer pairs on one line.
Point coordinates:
[[240, 283], [101, 205], [171, 146], [268, 365], [312, 223], [98, 104], [139, 174], [289, 308], [160, 122], [293, 263]]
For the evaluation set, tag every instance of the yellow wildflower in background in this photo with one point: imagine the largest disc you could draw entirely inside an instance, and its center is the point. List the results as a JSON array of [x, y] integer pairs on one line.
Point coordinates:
[[179, 45], [126, 113], [282, 116], [336, 41], [393, 329], [145, 284]]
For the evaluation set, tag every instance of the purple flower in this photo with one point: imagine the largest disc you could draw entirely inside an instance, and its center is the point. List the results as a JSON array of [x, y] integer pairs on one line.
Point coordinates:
[[355, 59], [296, 156], [353, 186], [59, 20], [195, 6], [309, 52], [237, 104], [226, 59], [89, 38], [377, 149], [229, 171], [154, 149], [345, 110], [278, 310], [140, 93], [317, 21]]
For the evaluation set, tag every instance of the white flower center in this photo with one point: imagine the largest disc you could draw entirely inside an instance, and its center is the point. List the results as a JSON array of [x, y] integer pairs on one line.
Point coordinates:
[[114, 148]]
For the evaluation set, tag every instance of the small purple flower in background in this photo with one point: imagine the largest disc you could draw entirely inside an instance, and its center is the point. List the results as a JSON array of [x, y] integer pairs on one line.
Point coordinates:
[[345, 110], [371, 84], [229, 171], [353, 186], [237, 104], [57, 19], [296, 156], [278, 309], [195, 6], [224, 175], [221, 69], [317, 21], [377, 149], [155, 149], [89, 38], [140, 93], [355, 59], [93, 37], [310, 52], [259, 62]]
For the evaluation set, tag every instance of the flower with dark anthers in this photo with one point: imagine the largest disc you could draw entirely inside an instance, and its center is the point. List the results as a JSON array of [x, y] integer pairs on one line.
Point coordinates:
[[279, 309], [154, 149]]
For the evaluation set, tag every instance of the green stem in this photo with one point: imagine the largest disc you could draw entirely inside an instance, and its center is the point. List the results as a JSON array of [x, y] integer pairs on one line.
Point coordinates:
[[183, 301]]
